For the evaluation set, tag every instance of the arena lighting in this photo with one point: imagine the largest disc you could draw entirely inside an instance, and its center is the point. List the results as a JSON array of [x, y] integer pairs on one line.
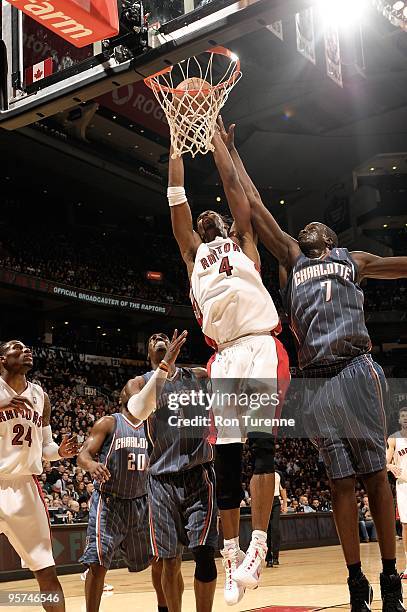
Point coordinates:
[[218, 199], [385, 225], [394, 168], [282, 201], [371, 169], [342, 12], [155, 276], [395, 12]]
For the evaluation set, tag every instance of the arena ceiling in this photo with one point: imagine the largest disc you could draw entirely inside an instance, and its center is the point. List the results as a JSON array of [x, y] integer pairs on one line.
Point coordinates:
[[297, 130]]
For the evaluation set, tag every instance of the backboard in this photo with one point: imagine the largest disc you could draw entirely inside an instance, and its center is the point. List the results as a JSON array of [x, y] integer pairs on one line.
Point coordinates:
[[42, 74]]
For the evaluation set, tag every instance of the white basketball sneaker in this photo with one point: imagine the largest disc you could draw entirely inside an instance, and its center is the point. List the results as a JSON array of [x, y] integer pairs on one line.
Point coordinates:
[[107, 588], [232, 559], [248, 573]]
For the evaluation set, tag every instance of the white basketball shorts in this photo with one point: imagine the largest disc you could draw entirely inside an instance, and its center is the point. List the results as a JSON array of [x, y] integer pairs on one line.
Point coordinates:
[[401, 493], [24, 521], [246, 372]]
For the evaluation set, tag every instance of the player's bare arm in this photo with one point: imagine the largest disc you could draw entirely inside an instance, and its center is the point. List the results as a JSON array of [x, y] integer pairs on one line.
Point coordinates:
[[68, 447], [182, 226], [373, 266], [92, 446], [280, 244], [391, 467], [133, 386], [237, 200]]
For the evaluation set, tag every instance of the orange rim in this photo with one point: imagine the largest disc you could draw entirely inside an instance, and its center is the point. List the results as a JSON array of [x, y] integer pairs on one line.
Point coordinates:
[[150, 81]]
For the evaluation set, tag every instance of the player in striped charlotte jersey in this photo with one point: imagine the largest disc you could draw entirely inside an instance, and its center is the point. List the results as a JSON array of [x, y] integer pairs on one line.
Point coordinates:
[[321, 291], [115, 455], [181, 479], [239, 319]]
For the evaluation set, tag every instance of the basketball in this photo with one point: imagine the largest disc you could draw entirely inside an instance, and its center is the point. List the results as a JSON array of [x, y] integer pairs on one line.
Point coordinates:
[[193, 100]]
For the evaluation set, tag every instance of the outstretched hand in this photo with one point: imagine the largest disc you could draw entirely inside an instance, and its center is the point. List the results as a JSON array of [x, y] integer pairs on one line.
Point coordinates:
[[69, 447], [175, 346], [228, 136]]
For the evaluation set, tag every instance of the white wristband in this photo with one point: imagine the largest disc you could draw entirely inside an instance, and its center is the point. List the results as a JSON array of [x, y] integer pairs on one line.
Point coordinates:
[[176, 196], [49, 447], [144, 403]]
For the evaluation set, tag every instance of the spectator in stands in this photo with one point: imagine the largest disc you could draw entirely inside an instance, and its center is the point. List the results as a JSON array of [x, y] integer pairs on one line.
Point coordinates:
[[305, 505], [83, 514], [366, 524], [315, 504], [247, 499]]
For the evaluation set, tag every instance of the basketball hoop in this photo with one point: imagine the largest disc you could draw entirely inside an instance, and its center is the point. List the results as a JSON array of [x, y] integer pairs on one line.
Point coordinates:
[[191, 95]]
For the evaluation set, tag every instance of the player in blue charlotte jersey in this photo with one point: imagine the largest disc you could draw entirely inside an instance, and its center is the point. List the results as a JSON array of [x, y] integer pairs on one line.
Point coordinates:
[[115, 455], [181, 479], [343, 388]]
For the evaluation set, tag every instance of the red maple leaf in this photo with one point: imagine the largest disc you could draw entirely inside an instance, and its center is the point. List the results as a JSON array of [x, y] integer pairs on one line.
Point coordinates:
[[38, 74]]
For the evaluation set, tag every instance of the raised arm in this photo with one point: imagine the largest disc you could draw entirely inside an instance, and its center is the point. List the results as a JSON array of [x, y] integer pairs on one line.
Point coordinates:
[[235, 194], [181, 218], [142, 397], [373, 266], [278, 242]]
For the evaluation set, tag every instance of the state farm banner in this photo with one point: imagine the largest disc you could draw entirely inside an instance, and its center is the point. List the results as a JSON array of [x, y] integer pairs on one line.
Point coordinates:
[[81, 295], [138, 103], [79, 22]]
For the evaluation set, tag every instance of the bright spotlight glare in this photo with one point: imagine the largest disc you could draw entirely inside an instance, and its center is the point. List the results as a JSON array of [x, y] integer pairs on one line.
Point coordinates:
[[342, 12], [397, 6]]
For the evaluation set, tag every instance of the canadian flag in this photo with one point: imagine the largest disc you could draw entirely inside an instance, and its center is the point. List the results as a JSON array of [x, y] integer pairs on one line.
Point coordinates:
[[38, 71]]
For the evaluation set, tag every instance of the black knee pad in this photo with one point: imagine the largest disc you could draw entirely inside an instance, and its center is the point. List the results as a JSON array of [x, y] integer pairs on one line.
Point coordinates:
[[228, 468], [205, 568], [262, 450]]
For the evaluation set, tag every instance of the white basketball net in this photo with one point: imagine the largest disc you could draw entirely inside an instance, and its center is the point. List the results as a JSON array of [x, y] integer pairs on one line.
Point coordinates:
[[192, 114]]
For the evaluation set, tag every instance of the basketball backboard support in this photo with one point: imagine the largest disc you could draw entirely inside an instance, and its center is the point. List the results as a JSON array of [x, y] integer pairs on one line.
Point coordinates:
[[177, 30]]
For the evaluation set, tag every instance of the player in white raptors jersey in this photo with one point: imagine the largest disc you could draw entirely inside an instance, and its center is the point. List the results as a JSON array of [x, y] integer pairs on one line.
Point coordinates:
[[396, 457], [239, 320], [26, 439]]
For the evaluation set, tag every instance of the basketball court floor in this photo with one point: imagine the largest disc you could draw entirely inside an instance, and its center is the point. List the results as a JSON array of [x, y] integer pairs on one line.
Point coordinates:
[[307, 579]]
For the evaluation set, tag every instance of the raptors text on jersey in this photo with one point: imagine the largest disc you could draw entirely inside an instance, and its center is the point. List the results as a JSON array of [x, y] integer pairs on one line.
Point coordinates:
[[21, 433], [228, 295]]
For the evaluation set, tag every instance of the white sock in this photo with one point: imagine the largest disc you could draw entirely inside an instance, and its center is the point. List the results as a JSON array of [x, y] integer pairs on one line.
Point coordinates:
[[260, 536], [232, 543]]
